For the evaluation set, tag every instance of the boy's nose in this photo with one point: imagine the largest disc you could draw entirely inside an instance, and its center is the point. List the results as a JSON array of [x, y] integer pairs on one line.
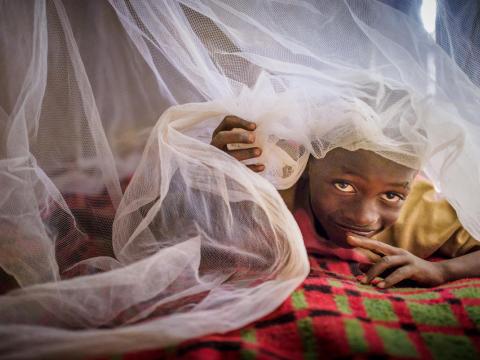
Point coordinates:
[[364, 215]]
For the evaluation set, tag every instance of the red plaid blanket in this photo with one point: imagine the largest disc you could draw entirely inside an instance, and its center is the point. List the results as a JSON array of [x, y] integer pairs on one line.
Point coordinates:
[[332, 315]]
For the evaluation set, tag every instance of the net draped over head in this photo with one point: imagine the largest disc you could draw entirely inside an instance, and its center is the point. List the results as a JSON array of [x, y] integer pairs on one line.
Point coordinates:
[[94, 92]]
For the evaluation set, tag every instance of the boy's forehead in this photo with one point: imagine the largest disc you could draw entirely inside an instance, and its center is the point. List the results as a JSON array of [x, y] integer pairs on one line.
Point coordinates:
[[364, 163], [350, 156], [341, 157]]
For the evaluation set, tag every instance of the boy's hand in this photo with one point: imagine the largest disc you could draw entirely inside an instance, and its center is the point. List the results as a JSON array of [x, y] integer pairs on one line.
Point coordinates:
[[227, 133], [405, 264], [327, 248]]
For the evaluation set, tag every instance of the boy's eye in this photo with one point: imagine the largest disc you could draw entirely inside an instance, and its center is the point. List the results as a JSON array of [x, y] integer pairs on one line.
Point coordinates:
[[344, 187], [392, 197]]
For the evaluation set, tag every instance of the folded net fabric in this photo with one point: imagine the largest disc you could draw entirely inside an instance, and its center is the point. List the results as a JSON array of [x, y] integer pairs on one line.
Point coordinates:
[[94, 91]]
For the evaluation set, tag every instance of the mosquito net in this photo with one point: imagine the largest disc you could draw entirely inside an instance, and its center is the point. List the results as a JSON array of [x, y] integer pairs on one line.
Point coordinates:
[[95, 95]]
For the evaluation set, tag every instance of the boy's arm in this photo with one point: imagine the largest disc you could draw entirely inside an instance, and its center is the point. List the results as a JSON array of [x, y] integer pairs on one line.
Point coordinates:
[[288, 197], [462, 267], [408, 266]]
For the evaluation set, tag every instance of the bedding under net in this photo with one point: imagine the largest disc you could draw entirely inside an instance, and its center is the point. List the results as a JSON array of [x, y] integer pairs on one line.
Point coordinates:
[[98, 94]]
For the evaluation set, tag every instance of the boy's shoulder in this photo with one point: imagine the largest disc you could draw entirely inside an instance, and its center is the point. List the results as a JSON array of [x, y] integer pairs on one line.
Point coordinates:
[[427, 224], [425, 205], [424, 190]]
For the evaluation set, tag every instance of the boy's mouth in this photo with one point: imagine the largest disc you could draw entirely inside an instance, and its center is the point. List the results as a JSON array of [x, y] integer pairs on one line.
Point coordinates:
[[356, 231]]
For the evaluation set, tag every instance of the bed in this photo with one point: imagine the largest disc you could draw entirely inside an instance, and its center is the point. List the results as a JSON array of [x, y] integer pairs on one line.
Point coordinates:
[[331, 315]]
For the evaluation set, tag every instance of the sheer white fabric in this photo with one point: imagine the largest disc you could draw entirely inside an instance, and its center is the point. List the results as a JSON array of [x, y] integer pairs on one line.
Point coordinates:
[[95, 91]]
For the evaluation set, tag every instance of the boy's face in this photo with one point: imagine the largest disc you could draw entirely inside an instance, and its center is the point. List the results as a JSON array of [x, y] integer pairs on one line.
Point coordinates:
[[357, 192]]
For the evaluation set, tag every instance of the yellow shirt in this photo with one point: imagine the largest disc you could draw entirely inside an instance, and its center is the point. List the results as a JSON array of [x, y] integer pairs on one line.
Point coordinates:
[[428, 224]]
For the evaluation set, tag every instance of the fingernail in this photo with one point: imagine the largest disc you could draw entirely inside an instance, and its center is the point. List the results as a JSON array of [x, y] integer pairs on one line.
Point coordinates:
[[381, 284], [257, 152], [251, 138], [361, 278], [252, 126]]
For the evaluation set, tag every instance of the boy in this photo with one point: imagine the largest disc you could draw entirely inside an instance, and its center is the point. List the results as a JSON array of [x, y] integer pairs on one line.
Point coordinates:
[[359, 199]]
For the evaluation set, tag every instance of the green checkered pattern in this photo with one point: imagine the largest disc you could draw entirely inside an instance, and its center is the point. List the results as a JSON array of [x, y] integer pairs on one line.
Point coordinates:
[[332, 315]]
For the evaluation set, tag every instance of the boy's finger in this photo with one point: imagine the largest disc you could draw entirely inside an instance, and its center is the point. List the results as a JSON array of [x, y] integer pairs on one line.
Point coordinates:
[[230, 122], [364, 267], [223, 138], [364, 256], [358, 255], [256, 167], [383, 264], [244, 154], [373, 245], [402, 273]]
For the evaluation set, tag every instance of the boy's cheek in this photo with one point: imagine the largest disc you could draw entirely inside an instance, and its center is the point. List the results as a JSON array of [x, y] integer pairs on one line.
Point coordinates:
[[325, 211], [390, 218]]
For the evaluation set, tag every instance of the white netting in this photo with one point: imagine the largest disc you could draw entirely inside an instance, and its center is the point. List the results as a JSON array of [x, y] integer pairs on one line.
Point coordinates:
[[93, 92]]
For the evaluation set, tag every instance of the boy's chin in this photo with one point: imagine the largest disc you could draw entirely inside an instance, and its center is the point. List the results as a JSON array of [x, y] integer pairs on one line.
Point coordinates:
[[339, 239]]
